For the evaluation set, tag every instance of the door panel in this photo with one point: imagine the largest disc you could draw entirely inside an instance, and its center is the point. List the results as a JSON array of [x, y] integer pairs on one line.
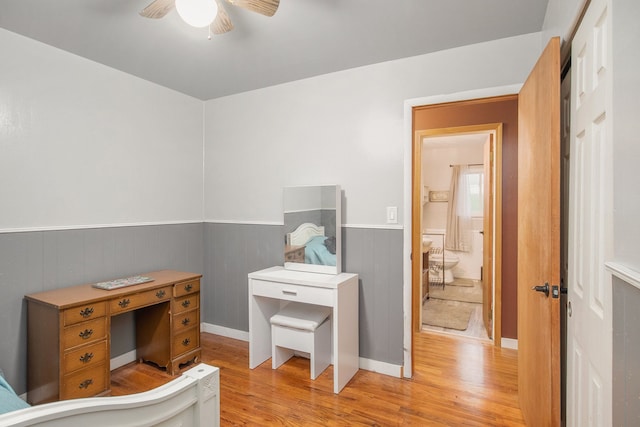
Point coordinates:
[[589, 341], [539, 240]]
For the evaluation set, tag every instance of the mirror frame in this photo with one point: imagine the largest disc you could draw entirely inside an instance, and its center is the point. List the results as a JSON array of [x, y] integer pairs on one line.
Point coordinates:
[[316, 268]]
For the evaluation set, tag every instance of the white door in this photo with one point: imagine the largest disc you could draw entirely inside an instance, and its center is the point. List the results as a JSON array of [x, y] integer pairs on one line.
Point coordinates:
[[589, 335]]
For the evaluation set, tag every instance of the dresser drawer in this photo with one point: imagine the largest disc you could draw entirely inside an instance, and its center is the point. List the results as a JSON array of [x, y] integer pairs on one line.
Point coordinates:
[[133, 301], [186, 320], [84, 312], [85, 356], [84, 383], [184, 288], [285, 291], [186, 341], [85, 332], [186, 303]]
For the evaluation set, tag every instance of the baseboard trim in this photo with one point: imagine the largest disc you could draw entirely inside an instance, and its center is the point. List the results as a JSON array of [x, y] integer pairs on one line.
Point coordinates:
[[509, 343], [224, 331], [381, 367], [123, 359], [366, 364]]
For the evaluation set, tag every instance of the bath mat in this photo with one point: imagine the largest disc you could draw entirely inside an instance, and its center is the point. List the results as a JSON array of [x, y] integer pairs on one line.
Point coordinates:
[[446, 314], [457, 293], [464, 282]]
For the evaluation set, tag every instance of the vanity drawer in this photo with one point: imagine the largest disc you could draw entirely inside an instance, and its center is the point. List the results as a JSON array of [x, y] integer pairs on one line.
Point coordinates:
[[84, 312], [186, 288], [85, 356], [186, 341], [130, 302], [85, 332], [185, 303], [84, 383], [186, 320], [289, 292]]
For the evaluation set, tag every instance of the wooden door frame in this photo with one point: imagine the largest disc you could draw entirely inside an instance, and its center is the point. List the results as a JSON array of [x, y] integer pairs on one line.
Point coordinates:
[[409, 105], [416, 218]]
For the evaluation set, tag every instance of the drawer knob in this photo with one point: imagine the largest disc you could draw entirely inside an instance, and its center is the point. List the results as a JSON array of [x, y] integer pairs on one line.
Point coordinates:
[[161, 293], [86, 312], [86, 383], [86, 358], [186, 342], [86, 334], [188, 287], [186, 303], [186, 321], [124, 303]]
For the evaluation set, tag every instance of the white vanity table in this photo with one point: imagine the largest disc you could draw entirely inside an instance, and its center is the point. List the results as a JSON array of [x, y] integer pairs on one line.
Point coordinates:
[[270, 288]]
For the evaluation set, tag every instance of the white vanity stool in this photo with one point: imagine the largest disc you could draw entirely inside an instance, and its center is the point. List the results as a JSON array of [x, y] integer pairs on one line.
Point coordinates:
[[271, 288], [302, 327]]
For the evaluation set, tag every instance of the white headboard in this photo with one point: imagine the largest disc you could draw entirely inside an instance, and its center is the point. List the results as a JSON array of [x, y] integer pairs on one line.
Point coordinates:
[[192, 399], [303, 233]]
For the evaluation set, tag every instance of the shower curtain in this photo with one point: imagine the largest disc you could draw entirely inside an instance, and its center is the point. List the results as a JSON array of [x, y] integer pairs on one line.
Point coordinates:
[[458, 233]]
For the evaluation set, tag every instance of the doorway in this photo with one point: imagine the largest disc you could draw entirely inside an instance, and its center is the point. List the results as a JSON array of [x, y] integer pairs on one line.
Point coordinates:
[[456, 175], [465, 110]]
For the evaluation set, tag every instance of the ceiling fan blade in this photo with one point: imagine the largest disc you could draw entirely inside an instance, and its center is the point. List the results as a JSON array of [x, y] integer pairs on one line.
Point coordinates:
[[222, 23], [263, 7], [157, 9]]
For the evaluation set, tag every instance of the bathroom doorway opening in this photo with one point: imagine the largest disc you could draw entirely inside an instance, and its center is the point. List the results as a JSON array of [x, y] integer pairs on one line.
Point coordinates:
[[456, 279]]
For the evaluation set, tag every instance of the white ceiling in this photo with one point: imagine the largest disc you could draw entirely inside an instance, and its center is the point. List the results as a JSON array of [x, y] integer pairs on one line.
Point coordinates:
[[304, 38]]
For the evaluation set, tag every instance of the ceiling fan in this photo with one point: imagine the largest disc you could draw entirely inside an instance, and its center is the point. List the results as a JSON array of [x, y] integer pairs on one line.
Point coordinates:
[[221, 23]]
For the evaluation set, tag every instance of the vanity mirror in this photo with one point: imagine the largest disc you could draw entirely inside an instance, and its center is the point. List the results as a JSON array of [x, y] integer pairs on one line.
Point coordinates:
[[312, 227]]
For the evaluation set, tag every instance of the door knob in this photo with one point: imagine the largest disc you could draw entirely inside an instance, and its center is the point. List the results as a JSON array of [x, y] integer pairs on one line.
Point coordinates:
[[544, 289]]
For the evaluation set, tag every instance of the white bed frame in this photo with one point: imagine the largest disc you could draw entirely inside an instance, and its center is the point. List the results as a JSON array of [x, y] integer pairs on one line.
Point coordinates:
[[193, 399], [303, 233]]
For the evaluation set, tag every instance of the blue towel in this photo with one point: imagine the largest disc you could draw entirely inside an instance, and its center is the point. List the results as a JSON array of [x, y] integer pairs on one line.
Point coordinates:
[[9, 400], [316, 252]]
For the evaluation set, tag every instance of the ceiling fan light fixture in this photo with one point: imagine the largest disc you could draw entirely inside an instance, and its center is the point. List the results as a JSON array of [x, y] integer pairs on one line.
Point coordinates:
[[197, 13]]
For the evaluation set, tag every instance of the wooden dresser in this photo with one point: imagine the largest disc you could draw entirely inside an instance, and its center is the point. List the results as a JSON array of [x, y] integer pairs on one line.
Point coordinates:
[[69, 333], [294, 253]]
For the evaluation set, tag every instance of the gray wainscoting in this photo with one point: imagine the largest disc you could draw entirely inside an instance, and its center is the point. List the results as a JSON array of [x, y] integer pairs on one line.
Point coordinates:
[[231, 252], [234, 250], [376, 256], [626, 354], [224, 253], [42, 260]]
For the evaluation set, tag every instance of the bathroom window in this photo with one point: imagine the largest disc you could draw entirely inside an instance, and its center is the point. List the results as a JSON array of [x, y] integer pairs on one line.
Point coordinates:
[[475, 191]]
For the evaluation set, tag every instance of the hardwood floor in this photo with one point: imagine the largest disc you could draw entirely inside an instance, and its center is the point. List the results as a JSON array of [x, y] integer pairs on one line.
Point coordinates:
[[457, 381]]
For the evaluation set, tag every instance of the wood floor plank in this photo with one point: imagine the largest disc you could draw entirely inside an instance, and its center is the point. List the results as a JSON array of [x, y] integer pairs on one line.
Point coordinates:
[[457, 381]]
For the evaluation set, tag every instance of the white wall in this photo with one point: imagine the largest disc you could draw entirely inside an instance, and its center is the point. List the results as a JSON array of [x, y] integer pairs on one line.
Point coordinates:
[[626, 149], [436, 174], [344, 128], [560, 18], [83, 144]]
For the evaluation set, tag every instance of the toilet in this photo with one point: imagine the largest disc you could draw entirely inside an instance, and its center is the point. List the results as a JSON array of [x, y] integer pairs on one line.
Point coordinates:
[[450, 261]]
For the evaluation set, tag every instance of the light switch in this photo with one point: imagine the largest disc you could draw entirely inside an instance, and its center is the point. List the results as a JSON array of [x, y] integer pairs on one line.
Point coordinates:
[[392, 215]]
